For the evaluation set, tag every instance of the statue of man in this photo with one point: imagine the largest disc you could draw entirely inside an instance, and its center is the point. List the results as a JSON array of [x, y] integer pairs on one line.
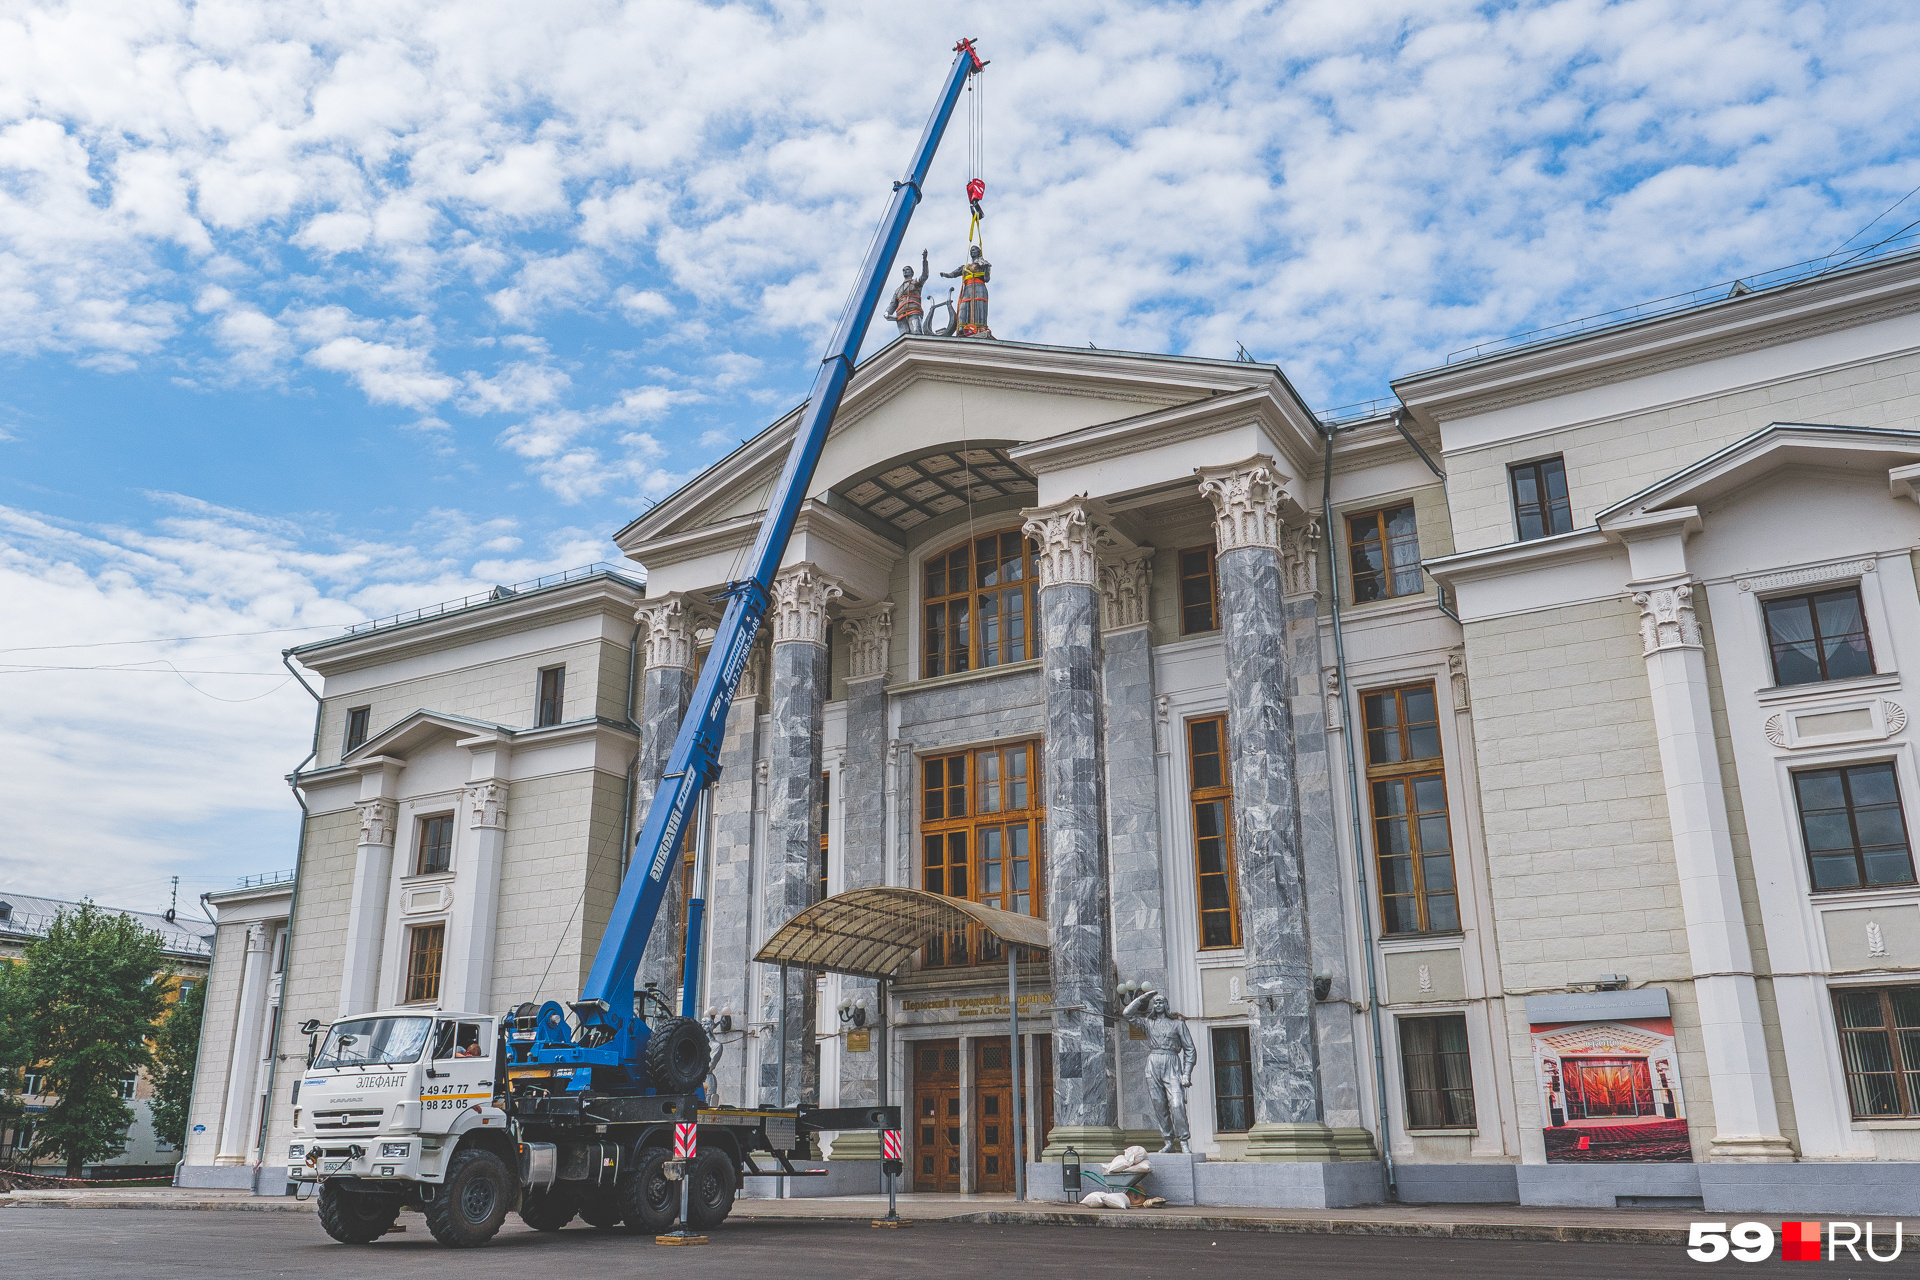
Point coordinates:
[[971, 315], [905, 309], [1170, 1059]]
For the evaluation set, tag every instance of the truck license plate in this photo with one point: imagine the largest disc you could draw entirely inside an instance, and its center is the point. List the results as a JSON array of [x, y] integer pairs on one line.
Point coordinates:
[[335, 1166]]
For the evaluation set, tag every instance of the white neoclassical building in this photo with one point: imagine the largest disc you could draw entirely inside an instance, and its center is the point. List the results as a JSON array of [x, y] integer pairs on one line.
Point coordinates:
[[1508, 788]]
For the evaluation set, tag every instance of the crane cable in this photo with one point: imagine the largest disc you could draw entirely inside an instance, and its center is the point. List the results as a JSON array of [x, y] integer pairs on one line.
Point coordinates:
[[976, 156]]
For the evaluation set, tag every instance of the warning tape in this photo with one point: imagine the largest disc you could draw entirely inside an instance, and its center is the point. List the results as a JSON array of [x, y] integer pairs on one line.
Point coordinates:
[[47, 1177]]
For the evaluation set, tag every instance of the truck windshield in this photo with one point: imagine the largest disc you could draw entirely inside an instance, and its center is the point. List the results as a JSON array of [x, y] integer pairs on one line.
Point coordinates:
[[374, 1042]]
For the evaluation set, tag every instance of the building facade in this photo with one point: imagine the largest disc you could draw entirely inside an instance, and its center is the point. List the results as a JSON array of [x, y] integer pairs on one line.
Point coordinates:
[[1487, 781]]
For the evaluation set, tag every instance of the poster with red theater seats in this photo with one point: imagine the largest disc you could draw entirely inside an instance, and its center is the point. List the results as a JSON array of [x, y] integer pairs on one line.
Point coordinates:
[[1610, 1091]]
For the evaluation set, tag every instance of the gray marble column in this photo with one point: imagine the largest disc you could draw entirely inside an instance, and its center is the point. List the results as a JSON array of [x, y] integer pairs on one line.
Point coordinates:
[[798, 620], [1247, 501], [1084, 1103], [667, 632], [1133, 805], [730, 886], [868, 633]]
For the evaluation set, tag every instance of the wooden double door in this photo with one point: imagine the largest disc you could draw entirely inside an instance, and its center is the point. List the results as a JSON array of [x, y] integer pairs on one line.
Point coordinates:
[[947, 1120]]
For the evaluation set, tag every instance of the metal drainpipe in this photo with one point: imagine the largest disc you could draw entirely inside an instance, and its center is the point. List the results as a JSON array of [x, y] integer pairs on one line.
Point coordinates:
[[293, 904], [1353, 814]]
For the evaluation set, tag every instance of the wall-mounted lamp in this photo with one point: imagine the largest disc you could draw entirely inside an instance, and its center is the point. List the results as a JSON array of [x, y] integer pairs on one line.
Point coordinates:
[[854, 1015], [1322, 985], [719, 1021]]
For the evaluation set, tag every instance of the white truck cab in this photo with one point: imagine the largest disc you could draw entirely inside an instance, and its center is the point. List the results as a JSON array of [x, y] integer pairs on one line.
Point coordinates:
[[389, 1097]]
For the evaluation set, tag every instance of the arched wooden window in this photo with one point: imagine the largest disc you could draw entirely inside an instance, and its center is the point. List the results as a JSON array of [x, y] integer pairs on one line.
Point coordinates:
[[980, 604]]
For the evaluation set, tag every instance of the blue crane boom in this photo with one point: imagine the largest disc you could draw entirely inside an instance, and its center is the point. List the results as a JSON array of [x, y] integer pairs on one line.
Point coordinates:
[[610, 1032]]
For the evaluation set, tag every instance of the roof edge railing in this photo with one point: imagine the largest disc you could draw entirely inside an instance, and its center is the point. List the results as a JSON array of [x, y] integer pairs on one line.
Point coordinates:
[[478, 599]]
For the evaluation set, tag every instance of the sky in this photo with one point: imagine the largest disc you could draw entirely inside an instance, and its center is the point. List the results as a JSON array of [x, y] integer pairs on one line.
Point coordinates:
[[311, 313]]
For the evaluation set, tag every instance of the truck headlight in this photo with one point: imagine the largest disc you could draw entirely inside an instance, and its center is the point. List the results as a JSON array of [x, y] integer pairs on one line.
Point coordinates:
[[295, 1151], [393, 1151]]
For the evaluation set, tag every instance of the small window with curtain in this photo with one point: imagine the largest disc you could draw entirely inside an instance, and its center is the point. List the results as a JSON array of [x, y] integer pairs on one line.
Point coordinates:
[[1211, 785], [357, 726], [553, 697], [1199, 591], [425, 943], [1439, 1078], [1880, 1048], [1854, 826], [1412, 831], [1232, 1080], [435, 845], [1384, 550], [1541, 507], [1821, 635], [983, 826]]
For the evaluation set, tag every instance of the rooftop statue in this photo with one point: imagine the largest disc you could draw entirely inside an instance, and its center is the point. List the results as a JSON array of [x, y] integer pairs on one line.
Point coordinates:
[[905, 310], [971, 316]]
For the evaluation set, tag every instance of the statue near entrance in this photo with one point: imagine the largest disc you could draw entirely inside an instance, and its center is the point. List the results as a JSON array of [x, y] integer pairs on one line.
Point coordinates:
[[1170, 1059], [905, 310], [970, 317]]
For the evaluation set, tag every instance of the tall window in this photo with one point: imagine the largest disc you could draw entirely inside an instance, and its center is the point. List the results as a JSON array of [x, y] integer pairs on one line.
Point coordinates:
[[1880, 1047], [1232, 1080], [357, 726], [1439, 1079], [435, 852], [826, 812], [1819, 636], [553, 697], [1855, 831], [1412, 837], [424, 946], [979, 602], [1384, 547], [1212, 801], [983, 826], [1540, 505], [1199, 591]]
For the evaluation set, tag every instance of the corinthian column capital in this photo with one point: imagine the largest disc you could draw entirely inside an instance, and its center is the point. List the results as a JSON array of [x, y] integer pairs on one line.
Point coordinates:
[[1125, 577], [1065, 535], [488, 800], [1667, 619], [1247, 499], [801, 594], [668, 625], [376, 821], [869, 631]]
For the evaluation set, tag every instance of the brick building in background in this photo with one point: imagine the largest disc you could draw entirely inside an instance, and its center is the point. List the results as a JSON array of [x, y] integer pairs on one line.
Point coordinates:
[[1567, 838]]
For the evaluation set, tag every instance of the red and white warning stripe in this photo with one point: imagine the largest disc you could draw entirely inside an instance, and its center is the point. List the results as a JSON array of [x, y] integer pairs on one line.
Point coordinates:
[[685, 1141], [890, 1144]]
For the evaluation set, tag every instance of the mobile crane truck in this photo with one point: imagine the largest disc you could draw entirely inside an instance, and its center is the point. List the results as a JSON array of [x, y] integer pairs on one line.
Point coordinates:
[[564, 1111]]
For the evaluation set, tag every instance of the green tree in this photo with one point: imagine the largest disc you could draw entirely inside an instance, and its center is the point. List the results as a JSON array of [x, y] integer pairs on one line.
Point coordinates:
[[176, 1050], [93, 992], [16, 1050]]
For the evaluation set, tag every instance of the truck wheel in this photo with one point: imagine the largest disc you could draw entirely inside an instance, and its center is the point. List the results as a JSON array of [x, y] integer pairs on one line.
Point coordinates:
[[714, 1182], [677, 1056], [547, 1210], [648, 1199], [472, 1202], [599, 1209], [354, 1217]]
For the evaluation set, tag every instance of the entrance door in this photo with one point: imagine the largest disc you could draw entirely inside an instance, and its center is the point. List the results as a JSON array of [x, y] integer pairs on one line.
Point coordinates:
[[936, 1115], [1604, 1088], [992, 1116]]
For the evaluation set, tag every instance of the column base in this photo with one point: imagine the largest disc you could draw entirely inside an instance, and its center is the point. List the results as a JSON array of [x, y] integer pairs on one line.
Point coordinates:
[[1093, 1143], [1354, 1143], [1308, 1142], [1744, 1148], [855, 1144], [1148, 1138]]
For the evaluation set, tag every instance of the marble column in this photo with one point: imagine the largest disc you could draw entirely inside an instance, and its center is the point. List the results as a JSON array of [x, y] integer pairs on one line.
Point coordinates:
[[1085, 1110], [367, 904], [667, 631], [1745, 1116], [868, 633], [1247, 501], [1135, 888], [730, 885], [798, 622], [466, 984], [236, 1129]]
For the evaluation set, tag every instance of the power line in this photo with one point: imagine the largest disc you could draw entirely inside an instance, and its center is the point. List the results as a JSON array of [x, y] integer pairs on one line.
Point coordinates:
[[221, 635], [21, 670], [1876, 217]]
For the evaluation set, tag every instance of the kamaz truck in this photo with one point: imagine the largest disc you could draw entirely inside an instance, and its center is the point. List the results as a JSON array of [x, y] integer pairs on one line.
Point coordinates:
[[576, 1111]]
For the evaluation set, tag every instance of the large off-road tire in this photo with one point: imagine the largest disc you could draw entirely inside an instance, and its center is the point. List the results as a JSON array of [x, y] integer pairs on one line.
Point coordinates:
[[599, 1209], [355, 1217], [547, 1210], [648, 1199], [472, 1203], [677, 1055], [715, 1179]]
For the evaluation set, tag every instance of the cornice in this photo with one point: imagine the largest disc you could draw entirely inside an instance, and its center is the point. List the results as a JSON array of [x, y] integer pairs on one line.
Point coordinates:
[[1766, 318], [1511, 557], [1260, 407]]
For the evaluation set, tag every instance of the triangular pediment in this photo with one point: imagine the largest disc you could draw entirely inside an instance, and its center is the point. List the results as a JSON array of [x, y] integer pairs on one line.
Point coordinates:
[[1870, 451], [421, 729]]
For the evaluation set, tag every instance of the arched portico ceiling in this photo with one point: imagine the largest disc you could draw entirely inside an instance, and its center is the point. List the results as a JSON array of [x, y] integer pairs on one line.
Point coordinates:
[[909, 490]]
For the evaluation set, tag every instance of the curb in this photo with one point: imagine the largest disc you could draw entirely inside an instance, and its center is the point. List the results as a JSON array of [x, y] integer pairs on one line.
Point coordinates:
[[1154, 1220]]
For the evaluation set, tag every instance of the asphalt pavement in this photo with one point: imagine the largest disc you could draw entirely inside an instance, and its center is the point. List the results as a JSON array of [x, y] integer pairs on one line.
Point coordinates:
[[50, 1244]]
